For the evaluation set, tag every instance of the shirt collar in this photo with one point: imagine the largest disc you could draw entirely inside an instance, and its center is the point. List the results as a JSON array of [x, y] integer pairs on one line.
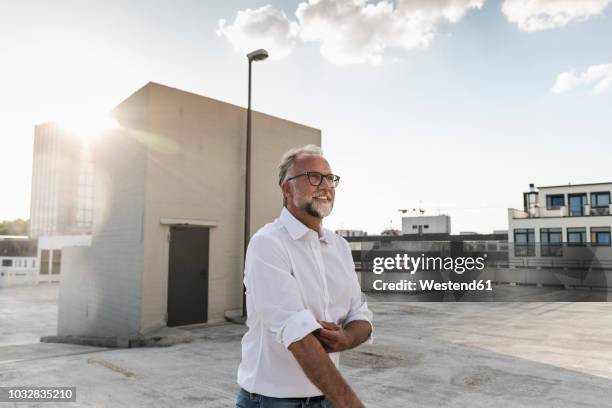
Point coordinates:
[[295, 227]]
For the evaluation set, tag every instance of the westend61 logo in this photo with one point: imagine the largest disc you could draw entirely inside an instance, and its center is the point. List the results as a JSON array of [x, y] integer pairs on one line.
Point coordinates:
[[427, 263]]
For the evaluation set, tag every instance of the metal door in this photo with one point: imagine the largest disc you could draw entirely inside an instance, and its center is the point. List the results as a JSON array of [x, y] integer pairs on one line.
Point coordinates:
[[188, 276]]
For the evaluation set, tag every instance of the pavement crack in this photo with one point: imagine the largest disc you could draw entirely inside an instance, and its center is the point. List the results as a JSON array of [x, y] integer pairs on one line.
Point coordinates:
[[113, 367]]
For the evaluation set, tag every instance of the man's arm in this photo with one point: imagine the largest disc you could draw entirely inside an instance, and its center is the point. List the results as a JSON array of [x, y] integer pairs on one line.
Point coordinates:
[[334, 338], [320, 370]]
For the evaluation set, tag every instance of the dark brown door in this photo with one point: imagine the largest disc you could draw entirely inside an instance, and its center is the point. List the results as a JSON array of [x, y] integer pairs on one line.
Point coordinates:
[[188, 276]]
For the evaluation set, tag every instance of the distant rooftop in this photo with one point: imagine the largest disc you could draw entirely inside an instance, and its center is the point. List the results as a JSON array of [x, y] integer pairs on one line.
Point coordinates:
[[575, 185]]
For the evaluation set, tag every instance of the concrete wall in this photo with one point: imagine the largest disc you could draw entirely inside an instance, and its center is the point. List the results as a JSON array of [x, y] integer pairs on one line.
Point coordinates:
[[100, 290]]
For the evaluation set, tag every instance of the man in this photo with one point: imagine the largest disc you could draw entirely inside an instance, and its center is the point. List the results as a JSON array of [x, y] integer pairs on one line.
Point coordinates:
[[304, 302]]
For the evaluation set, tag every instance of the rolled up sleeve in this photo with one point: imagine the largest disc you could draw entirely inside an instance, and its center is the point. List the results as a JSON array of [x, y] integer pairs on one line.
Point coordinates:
[[273, 293]]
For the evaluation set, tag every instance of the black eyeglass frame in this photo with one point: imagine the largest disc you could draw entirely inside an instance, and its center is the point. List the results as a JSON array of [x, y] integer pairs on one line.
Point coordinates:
[[334, 181]]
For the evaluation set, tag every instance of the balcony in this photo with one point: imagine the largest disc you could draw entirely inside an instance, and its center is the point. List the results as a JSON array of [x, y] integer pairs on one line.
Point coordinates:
[[563, 211], [600, 210]]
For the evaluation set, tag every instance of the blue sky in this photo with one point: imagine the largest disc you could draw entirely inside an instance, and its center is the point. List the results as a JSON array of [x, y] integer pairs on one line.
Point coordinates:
[[462, 124]]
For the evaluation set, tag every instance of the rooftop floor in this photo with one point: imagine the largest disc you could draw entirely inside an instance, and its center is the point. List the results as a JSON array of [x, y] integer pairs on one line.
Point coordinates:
[[424, 355]]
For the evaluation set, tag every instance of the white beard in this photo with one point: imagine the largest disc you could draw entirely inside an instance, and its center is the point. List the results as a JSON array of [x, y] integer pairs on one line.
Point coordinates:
[[316, 208]]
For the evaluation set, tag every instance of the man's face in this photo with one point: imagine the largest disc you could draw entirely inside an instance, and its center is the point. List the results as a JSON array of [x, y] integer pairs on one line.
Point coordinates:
[[317, 201]]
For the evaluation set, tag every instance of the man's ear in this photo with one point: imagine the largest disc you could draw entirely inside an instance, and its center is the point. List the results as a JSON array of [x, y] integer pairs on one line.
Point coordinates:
[[286, 189], [287, 193]]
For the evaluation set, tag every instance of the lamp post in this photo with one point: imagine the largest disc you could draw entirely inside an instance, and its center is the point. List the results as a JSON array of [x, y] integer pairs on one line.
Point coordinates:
[[257, 55]]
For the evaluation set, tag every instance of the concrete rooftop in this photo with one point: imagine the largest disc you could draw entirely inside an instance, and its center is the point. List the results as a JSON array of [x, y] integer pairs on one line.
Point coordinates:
[[424, 355]]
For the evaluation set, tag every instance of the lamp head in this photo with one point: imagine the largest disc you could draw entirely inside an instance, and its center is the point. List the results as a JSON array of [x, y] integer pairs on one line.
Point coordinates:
[[257, 55]]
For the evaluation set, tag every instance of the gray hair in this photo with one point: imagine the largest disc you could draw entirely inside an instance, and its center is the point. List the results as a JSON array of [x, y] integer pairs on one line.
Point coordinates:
[[290, 157]]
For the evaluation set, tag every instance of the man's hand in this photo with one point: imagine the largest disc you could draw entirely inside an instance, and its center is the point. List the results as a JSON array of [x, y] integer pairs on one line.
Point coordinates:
[[333, 338]]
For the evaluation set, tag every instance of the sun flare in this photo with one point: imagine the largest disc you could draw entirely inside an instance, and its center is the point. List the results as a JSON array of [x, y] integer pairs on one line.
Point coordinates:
[[88, 127]]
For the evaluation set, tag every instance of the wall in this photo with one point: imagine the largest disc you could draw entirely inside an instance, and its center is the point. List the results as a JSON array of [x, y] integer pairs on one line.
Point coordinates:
[[101, 284]]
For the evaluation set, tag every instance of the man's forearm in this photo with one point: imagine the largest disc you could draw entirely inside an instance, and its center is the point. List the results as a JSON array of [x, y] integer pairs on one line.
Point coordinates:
[[359, 331], [322, 372]]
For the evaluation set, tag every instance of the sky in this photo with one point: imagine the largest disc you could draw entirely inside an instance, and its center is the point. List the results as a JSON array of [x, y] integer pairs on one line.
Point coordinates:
[[451, 105]]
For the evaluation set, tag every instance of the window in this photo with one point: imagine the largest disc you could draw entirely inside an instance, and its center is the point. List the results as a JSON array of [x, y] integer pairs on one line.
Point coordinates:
[[600, 236], [44, 262], [57, 262], [576, 236], [551, 241], [600, 199], [7, 262], [524, 242], [576, 204], [555, 201]]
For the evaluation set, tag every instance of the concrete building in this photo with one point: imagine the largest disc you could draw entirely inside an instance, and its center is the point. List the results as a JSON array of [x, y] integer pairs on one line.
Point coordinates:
[[62, 183], [351, 233], [562, 235], [18, 263], [433, 224], [49, 255], [168, 214], [578, 215], [61, 204]]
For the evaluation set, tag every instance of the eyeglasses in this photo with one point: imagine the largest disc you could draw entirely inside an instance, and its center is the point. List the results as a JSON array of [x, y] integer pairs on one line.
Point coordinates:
[[315, 178]]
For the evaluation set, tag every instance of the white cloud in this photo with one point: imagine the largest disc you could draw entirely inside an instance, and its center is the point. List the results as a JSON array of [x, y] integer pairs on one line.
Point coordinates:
[[536, 15], [266, 27], [599, 76], [349, 31], [355, 31]]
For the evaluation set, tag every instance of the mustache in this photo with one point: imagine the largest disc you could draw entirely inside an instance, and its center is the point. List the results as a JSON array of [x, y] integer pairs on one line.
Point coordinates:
[[323, 194]]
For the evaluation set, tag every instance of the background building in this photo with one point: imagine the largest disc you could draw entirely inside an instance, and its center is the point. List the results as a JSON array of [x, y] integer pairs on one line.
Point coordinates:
[[351, 233], [62, 183], [18, 263], [426, 224], [167, 244], [562, 235], [577, 214], [61, 207], [49, 255]]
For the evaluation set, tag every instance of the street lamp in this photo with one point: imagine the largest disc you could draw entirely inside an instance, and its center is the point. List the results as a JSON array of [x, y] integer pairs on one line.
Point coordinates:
[[257, 55]]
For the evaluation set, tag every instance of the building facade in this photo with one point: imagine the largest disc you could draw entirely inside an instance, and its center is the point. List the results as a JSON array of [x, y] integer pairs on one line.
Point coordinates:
[[62, 183], [351, 233], [576, 215], [18, 263], [432, 224], [562, 235]]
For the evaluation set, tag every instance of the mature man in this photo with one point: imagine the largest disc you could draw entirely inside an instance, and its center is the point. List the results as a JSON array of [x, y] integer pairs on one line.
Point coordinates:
[[303, 299]]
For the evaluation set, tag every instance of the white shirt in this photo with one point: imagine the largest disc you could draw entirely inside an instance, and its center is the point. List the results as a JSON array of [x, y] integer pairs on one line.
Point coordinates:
[[293, 276]]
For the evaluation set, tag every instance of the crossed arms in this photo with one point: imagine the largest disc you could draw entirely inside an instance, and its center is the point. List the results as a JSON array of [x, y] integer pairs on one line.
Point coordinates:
[[311, 354]]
